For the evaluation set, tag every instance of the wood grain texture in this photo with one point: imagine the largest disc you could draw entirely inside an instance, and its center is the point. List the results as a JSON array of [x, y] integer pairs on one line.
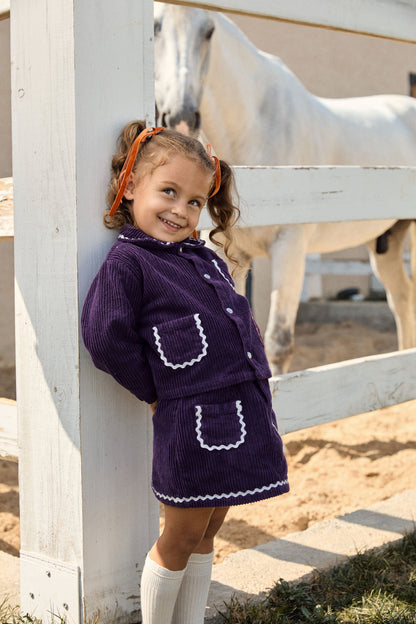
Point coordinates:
[[85, 444]]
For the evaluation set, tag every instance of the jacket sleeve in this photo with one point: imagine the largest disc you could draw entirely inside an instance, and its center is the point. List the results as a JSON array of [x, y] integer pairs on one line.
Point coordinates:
[[109, 323]]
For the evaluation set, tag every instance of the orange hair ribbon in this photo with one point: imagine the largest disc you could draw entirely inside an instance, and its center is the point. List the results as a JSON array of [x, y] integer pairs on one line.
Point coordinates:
[[216, 162], [146, 134]]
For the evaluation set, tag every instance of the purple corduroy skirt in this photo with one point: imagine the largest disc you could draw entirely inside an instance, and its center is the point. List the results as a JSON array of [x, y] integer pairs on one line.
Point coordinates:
[[219, 448]]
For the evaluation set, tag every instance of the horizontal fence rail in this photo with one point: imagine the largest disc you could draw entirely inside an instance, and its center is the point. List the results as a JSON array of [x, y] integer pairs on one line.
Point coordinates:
[[4, 9], [8, 430], [6, 208], [395, 20], [350, 388], [389, 19], [310, 195], [323, 194]]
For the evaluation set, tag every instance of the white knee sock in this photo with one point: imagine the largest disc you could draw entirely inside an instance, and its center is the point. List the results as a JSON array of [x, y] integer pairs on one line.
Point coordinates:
[[193, 594], [159, 589]]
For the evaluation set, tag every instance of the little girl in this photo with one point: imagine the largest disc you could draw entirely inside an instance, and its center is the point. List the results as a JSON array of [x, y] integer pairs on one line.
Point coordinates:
[[163, 318]]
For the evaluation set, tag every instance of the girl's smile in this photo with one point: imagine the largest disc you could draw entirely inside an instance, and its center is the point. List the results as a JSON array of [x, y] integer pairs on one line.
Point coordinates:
[[167, 203]]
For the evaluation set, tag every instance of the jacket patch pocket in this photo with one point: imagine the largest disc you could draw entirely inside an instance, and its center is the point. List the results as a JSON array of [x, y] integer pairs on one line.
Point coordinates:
[[220, 427], [181, 342]]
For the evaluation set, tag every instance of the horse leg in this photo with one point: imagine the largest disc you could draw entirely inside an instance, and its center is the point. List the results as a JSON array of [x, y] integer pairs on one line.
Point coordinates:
[[288, 267], [390, 269]]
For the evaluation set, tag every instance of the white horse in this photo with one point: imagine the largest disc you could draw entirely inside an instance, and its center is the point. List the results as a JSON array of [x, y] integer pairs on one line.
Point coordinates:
[[254, 111]]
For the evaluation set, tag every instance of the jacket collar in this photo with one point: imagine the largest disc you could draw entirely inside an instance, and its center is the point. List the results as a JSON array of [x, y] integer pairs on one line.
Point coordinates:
[[131, 234]]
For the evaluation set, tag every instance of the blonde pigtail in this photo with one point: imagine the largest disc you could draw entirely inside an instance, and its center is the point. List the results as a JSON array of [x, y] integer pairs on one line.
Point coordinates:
[[123, 215], [223, 212]]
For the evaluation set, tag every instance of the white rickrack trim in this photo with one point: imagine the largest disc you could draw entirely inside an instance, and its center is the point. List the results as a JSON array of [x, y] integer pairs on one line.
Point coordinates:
[[121, 236], [196, 499], [191, 362], [217, 266], [220, 447]]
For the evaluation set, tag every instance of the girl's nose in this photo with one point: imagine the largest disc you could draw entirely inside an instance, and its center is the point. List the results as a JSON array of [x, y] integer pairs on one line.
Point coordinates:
[[179, 208]]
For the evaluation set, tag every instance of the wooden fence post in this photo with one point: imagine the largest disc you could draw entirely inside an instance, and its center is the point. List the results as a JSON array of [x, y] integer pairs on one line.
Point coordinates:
[[80, 70]]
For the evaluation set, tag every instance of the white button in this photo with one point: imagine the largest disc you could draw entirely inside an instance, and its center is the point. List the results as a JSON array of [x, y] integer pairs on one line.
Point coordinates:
[[181, 249], [249, 355], [207, 276], [230, 310]]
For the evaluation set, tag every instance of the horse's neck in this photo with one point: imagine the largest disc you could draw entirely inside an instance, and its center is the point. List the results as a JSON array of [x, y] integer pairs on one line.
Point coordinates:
[[243, 83]]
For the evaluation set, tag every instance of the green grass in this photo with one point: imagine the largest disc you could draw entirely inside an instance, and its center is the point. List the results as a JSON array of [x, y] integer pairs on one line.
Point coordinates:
[[376, 587], [11, 615]]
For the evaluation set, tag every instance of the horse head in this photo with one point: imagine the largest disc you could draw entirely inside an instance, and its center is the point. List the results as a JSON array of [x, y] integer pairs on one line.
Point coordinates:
[[182, 48]]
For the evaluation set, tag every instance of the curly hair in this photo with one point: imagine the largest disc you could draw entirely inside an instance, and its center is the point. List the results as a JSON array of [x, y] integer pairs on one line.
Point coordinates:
[[158, 151]]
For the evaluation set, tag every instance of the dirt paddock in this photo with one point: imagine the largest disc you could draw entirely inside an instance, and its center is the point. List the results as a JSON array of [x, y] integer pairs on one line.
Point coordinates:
[[333, 469]]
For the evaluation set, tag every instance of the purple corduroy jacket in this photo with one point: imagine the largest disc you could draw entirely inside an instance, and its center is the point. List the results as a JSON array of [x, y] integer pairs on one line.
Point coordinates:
[[165, 321]]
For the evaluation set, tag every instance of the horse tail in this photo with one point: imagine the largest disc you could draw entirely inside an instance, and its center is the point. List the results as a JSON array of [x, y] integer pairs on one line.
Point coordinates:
[[382, 242]]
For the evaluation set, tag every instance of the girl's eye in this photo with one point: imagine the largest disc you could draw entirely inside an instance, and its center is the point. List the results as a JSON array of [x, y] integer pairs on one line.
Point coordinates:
[[195, 203], [169, 191]]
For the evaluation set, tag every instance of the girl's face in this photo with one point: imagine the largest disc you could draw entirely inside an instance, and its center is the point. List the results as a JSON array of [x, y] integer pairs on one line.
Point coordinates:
[[167, 203]]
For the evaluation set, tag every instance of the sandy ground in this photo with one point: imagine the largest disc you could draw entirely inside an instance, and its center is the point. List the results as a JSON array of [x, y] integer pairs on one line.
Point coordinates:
[[333, 469]]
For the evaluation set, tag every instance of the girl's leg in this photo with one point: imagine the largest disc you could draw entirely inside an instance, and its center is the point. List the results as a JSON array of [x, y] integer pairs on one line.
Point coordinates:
[[206, 545], [166, 563], [184, 530], [192, 598]]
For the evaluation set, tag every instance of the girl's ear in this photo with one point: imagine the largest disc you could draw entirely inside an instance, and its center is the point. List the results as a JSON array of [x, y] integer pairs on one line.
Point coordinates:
[[130, 186]]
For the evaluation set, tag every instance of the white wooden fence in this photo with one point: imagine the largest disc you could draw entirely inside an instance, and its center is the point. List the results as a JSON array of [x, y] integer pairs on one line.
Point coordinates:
[[85, 443]]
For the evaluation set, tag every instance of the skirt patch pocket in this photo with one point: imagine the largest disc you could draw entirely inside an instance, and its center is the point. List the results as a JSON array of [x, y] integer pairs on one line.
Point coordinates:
[[181, 342], [220, 427]]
